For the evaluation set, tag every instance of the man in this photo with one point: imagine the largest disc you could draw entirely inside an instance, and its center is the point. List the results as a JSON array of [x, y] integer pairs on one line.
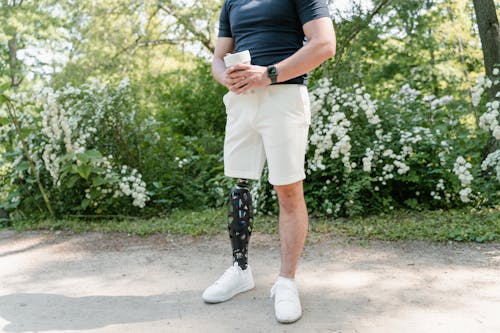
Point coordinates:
[[268, 118]]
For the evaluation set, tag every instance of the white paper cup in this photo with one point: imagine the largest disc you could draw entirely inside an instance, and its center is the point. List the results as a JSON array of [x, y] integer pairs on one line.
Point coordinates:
[[234, 59]]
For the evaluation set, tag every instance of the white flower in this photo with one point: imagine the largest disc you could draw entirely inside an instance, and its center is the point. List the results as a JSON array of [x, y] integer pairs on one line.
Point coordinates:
[[493, 161], [367, 163], [460, 168], [464, 194], [331, 126]]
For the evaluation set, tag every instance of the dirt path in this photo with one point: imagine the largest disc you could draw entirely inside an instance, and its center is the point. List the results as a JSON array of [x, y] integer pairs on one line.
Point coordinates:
[[55, 282]]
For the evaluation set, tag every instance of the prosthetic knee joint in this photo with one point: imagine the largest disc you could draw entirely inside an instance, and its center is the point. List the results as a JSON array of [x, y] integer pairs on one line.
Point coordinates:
[[240, 218]]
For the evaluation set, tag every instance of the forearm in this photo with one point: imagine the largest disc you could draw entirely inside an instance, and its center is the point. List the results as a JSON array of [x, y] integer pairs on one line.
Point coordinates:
[[218, 68], [310, 56]]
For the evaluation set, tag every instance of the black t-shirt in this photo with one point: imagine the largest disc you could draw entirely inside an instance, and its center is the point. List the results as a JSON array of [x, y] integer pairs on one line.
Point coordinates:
[[270, 29]]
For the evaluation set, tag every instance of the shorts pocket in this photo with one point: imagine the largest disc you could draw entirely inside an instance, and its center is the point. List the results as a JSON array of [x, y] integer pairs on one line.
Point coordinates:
[[226, 99], [306, 107]]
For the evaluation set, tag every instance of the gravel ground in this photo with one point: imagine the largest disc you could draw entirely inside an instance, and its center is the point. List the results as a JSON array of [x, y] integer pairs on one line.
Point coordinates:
[[96, 282]]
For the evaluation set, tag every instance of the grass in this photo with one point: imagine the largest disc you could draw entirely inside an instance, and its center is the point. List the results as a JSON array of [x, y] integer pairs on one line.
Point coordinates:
[[461, 225], [457, 225]]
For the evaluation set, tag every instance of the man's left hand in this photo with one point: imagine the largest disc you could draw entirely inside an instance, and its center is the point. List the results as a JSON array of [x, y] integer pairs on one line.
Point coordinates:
[[247, 77]]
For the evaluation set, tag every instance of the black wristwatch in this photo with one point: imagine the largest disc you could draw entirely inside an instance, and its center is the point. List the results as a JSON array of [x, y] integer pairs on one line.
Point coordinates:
[[272, 73]]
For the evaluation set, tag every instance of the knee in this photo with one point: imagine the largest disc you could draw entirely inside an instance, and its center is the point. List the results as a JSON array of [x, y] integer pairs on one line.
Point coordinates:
[[290, 197]]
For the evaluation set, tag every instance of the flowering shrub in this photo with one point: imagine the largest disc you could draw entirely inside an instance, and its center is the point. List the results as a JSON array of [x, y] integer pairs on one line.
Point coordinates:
[[83, 142], [489, 120], [94, 152], [414, 150], [96, 147]]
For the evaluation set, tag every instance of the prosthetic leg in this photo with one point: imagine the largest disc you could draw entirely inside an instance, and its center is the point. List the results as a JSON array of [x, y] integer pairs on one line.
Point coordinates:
[[240, 219]]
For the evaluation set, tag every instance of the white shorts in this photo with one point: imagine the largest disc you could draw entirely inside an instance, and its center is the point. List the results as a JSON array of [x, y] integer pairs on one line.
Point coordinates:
[[267, 123]]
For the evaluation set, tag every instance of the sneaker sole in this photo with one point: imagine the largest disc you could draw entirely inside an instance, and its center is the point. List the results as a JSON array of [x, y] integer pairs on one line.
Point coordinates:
[[239, 291], [288, 321]]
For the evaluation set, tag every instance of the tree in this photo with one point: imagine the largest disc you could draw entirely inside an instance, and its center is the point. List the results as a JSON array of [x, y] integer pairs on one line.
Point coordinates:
[[489, 31], [26, 26], [429, 44], [195, 23]]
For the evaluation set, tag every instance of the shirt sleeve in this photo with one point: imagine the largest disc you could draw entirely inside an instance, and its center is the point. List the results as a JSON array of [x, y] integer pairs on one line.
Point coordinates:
[[309, 10], [224, 24]]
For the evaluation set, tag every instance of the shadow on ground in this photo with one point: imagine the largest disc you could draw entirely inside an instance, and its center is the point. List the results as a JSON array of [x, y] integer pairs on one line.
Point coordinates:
[[46, 312], [113, 283]]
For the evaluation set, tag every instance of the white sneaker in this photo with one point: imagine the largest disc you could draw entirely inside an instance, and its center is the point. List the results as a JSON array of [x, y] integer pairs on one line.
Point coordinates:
[[287, 307], [232, 282]]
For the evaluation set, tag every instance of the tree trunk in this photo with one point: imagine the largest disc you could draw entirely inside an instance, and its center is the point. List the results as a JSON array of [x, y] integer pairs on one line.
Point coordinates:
[[489, 32], [14, 68]]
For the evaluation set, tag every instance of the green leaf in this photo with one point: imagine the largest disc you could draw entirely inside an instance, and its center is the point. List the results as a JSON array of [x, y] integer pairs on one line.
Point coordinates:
[[67, 157], [71, 182], [24, 165], [99, 170], [11, 154], [3, 99], [112, 179], [4, 87], [82, 157], [93, 154], [84, 171], [85, 203], [99, 181], [30, 180], [67, 168]]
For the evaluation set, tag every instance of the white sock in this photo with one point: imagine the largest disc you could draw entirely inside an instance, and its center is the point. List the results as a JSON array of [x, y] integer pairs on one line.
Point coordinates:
[[282, 279]]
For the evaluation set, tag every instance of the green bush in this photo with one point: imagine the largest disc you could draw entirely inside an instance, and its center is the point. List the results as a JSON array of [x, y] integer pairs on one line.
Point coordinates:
[[411, 151], [129, 149], [85, 145], [185, 168], [97, 146]]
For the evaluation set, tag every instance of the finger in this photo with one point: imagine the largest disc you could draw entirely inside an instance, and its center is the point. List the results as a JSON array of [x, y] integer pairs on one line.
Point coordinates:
[[237, 68], [237, 75], [236, 78], [242, 67], [242, 90], [232, 82], [236, 88], [228, 83], [242, 87], [241, 83]]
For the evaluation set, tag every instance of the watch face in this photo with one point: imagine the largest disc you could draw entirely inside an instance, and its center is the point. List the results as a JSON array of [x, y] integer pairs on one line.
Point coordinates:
[[272, 72]]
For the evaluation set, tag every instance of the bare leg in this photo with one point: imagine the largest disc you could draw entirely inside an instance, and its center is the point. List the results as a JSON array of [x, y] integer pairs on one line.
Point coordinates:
[[293, 223]]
